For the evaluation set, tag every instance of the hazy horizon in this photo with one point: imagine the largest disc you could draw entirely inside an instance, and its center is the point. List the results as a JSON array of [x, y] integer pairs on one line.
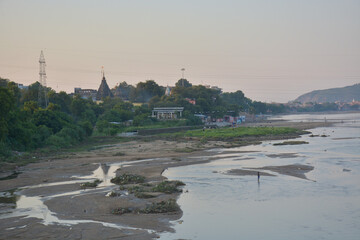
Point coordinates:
[[272, 51]]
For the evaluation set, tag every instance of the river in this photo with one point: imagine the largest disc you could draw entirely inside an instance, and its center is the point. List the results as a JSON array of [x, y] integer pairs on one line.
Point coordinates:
[[325, 205]]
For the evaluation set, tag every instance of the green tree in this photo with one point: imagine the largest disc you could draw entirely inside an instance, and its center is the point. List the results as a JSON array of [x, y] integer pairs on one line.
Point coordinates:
[[146, 90], [31, 93], [54, 120], [31, 107], [183, 83], [260, 107], [62, 99], [123, 90], [3, 82], [14, 89], [6, 105], [237, 99]]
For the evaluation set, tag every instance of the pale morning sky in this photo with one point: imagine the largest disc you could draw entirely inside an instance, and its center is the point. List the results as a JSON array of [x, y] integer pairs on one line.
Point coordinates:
[[272, 50]]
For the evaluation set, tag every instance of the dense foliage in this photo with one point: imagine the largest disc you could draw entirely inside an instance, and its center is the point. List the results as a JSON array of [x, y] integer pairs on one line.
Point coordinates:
[[25, 124]]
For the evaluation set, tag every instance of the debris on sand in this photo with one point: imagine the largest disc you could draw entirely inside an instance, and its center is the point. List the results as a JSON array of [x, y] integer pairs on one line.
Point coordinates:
[[291, 143]]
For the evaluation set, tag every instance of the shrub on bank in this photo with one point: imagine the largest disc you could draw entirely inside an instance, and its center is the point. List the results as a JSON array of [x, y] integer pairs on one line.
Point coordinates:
[[228, 133], [128, 178], [168, 187], [161, 207]]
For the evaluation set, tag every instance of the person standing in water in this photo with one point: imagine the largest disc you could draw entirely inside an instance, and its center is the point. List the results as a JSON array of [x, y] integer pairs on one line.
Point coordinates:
[[258, 176]]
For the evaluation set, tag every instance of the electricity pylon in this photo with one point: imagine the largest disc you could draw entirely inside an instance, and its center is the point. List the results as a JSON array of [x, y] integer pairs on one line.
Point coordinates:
[[42, 94]]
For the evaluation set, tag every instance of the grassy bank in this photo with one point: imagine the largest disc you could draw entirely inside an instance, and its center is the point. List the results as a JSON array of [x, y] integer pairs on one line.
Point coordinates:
[[231, 133], [235, 136]]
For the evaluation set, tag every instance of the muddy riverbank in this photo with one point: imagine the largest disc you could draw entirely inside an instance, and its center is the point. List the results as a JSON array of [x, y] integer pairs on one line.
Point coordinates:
[[51, 203]]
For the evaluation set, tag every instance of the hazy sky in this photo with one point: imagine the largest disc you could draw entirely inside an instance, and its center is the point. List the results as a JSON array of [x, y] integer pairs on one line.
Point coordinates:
[[272, 50]]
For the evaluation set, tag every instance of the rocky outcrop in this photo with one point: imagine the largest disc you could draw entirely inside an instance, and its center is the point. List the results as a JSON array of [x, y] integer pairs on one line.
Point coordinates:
[[345, 94]]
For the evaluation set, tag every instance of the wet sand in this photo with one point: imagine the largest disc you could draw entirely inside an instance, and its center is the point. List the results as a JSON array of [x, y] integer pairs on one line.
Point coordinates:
[[283, 155], [244, 172], [95, 205], [294, 170]]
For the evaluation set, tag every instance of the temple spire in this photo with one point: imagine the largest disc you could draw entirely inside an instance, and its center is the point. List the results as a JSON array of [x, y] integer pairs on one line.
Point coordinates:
[[103, 72], [104, 90]]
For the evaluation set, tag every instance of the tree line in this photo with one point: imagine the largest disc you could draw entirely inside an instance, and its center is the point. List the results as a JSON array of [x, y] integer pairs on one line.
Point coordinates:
[[25, 124]]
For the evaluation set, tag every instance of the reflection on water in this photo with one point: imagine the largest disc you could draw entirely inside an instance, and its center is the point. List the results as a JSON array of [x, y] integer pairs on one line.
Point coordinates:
[[34, 207], [219, 206]]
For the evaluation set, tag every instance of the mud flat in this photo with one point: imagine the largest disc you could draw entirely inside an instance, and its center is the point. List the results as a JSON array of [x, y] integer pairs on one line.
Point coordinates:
[[294, 170], [244, 172], [51, 204]]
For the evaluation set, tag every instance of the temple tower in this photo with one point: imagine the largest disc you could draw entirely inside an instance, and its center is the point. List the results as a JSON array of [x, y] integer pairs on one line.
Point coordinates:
[[104, 90]]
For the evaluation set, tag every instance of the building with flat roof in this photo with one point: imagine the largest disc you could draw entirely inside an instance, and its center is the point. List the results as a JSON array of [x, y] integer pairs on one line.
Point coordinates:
[[167, 113], [86, 93]]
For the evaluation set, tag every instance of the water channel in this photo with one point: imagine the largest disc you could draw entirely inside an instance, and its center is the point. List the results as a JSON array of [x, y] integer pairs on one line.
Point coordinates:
[[323, 205], [326, 205]]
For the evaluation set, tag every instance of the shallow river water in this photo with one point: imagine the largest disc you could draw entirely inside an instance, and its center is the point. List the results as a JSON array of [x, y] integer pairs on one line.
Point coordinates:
[[326, 205]]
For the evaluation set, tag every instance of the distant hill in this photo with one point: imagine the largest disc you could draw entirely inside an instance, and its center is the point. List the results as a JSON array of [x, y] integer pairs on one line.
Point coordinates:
[[345, 94]]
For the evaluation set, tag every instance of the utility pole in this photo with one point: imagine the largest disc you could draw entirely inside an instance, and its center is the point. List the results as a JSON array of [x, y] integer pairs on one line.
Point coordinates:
[[42, 94]]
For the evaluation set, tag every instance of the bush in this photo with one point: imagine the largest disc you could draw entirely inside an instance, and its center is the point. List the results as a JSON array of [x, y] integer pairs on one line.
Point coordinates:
[[168, 187], [119, 154], [120, 211], [142, 119], [113, 131], [143, 195], [87, 127], [90, 184], [56, 141], [161, 207], [128, 178], [40, 136], [4, 150], [101, 125], [136, 189], [114, 194]]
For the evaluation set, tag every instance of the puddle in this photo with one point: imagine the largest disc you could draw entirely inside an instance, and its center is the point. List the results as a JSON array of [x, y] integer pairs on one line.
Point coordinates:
[[34, 207], [11, 176], [12, 228]]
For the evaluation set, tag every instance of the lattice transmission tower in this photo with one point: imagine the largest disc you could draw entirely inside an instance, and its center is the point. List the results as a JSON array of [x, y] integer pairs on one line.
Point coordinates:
[[42, 94]]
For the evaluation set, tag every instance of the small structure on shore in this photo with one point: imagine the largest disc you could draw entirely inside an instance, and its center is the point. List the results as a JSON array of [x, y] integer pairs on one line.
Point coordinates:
[[167, 113], [168, 91]]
